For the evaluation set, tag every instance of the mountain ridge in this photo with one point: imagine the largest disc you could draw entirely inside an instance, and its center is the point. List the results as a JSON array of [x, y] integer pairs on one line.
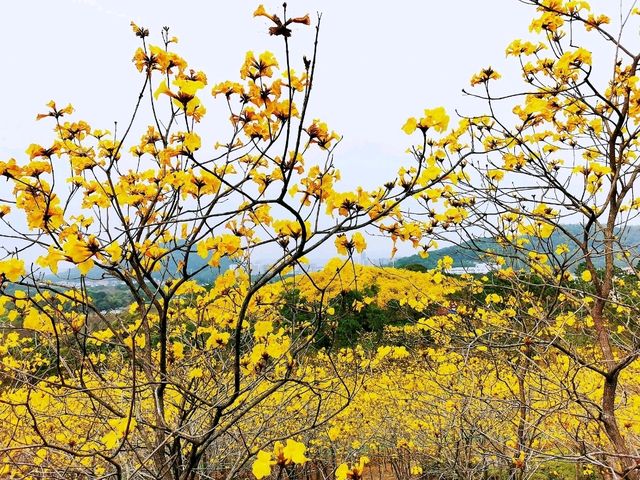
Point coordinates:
[[468, 255]]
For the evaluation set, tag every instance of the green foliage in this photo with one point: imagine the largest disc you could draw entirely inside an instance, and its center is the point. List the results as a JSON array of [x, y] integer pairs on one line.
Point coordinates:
[[107, 298], [353, 322]]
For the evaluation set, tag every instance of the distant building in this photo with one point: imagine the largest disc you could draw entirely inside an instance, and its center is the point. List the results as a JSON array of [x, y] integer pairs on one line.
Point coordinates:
[[102, 282], [477, 269]]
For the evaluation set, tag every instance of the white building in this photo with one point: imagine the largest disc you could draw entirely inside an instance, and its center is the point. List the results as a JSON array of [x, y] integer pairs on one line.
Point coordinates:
[[477, 269]]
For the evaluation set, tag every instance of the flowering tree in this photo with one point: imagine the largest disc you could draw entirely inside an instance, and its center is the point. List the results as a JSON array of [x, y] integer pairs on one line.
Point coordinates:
[[186, 381], [550, 196]]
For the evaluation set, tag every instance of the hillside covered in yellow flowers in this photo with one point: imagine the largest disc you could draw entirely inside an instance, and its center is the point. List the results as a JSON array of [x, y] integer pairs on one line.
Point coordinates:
[[526, 371]]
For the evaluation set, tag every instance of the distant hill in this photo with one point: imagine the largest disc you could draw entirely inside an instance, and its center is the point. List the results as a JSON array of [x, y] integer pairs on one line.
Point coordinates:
[[463, 255], [196, 262], [466, 255]]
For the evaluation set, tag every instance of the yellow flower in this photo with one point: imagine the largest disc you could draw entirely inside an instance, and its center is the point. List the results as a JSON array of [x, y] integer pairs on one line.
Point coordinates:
[[436, 118], [37, 322], [548, 21], [55, 112], [261, 12], [280, 28], [262, 328], [120, 428], [346, 246], [586, 276], [595, 22], [495, 175], [262, 465], [355, 473], [78, 250], [294, 452], [493, 298], [410, 126], [12, 269], [291, 228], [192, 142], [359, 242], [139, 31], [484, 76], [51, 260], [114, 251], [518, 47]]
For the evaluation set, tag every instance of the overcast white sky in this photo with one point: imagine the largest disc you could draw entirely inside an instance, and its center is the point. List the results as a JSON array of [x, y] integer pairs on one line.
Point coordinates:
[[379, 62]]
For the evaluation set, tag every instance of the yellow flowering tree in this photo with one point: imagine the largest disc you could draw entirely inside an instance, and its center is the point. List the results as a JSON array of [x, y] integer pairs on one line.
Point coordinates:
[[186, 382], [549, 200]]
